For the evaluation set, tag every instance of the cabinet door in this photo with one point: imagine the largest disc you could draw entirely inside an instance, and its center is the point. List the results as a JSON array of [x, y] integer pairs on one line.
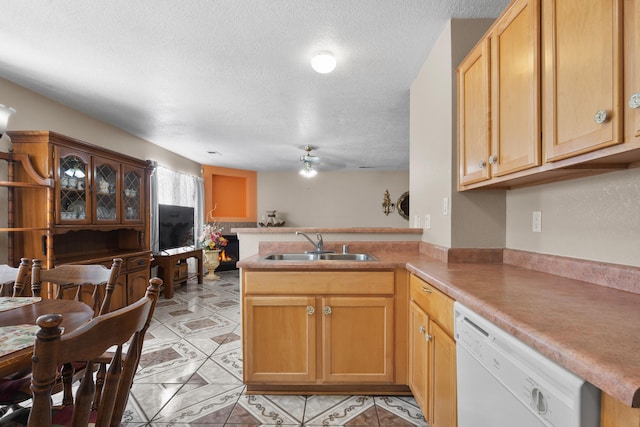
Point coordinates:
[[279, 338], [473, 115], [357, 339], [73, 206], [106, 192], [119, 296], [442, 384], [515, 97], [582, 79], [132, 192], [137, 283], [419, 355]]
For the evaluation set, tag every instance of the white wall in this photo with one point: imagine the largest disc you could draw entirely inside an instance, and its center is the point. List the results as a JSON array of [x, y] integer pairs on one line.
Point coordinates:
[[473, 219], [332, 199], [595, 218]]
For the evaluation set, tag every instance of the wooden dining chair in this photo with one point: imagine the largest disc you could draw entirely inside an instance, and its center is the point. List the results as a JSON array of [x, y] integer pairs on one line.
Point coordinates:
[[13, 279], [80, 282], [123, 327], [92, 284], [14, 389]]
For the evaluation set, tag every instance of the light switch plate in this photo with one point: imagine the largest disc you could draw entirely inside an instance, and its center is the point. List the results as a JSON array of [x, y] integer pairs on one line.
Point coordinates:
[[427, 222], [536, 225]]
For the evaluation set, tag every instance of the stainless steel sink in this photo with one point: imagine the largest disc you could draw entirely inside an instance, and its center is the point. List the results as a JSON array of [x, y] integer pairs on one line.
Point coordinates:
[[320, 257]]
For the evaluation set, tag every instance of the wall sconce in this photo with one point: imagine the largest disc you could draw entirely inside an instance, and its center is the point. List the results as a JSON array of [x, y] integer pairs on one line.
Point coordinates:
[[387, 206], [5, 113]]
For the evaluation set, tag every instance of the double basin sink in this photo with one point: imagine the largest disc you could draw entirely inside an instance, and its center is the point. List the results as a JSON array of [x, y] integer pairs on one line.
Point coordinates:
[[325, 256]]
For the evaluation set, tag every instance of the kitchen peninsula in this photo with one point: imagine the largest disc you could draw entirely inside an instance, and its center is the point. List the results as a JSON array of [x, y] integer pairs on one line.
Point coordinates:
[[588, 323]]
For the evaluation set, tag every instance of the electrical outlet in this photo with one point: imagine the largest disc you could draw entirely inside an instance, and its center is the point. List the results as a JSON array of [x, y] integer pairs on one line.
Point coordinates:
[[536, 225], [445, 206], [416, 221], [427, 222]]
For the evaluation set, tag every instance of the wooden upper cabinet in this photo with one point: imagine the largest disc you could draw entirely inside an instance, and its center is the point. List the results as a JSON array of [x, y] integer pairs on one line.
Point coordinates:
[[473, 115], [499, 98], [582, 77], [515, 90]]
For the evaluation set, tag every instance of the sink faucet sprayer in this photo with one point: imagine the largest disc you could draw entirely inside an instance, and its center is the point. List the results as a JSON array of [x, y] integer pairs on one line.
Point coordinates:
[[319, 246]]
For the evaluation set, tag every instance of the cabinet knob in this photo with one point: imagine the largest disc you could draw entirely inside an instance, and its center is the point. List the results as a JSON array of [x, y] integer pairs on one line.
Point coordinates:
[[310, 310], [326, 309], [421, 329], [493, 160], [482, 164], [634, 101], [427, 290], [601, 117], [428, 337]]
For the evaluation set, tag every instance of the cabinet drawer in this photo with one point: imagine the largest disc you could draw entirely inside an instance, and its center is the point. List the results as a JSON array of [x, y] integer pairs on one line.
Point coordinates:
[[318, 282], [137, 263], [437, 305]]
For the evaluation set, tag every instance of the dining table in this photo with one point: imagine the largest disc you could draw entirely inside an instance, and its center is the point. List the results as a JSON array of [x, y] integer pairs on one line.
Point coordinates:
[[18, 326]]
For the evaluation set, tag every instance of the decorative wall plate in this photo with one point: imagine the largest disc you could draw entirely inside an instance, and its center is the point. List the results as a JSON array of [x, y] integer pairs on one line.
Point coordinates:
[[402, 205]]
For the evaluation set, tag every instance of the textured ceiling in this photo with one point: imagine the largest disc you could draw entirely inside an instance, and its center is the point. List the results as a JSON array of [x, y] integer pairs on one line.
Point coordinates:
[[233, 76]]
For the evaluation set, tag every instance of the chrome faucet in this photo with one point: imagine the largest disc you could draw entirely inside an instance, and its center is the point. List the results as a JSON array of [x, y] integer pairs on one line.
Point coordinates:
[[319, 245]]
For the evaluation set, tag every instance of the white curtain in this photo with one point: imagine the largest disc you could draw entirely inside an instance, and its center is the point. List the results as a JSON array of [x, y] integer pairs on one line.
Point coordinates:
[[170, 187]]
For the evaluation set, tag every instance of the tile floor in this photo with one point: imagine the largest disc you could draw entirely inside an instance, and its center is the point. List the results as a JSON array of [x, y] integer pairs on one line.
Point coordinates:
[[191, 373]]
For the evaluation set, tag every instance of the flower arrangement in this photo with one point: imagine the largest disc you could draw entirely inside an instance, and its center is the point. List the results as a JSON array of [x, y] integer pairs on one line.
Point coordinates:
[[211, 237]]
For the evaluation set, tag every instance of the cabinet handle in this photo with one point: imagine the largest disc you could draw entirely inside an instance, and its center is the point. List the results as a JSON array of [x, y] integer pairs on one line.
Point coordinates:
[[326, 309], [310, 310], [428, 337], [421, 329], [482, 164], [600, 117], [427, 290], [493, 160], [634, 101]]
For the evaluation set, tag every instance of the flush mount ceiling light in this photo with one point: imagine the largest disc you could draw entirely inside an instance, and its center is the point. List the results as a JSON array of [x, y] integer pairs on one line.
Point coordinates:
[[5, 113], [309, 160], [323, 62]]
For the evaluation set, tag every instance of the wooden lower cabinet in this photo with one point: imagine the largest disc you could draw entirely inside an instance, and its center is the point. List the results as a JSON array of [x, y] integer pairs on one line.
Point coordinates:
[[614, 413], [442, 386], [279, 339], [357, 339], [133, 280], [333, 329], [419, 355], [432, 353]]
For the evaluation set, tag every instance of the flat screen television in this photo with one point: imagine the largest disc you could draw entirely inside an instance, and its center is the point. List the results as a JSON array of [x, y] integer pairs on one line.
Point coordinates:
[[175, 226]]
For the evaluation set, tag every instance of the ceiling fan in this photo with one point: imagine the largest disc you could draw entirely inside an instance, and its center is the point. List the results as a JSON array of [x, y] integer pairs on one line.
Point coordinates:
[[309, 160]]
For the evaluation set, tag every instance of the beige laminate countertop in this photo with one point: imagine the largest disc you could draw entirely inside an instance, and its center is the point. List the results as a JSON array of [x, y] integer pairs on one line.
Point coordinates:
[[591, 330]]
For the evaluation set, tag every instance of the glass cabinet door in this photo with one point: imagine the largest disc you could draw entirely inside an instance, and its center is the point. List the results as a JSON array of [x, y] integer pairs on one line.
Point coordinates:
[[132, 194], [106, 190], [72, 188]]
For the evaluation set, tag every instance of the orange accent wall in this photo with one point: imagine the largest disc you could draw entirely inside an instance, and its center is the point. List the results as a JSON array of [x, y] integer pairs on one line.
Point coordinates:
[[232, 194]]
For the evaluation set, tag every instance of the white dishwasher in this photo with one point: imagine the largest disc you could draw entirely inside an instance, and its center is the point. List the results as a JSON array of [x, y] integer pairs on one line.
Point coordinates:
[[502, 382]]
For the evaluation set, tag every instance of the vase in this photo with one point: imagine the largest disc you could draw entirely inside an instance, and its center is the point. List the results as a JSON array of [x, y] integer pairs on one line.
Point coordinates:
[[212, 261]]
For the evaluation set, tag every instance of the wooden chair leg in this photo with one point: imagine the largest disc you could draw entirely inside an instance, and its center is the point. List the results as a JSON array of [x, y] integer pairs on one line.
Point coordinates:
[[67, 381], [100, 375]]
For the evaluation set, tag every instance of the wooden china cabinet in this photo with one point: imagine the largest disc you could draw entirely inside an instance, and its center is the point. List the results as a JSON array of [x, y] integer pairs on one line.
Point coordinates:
[[98, 209]]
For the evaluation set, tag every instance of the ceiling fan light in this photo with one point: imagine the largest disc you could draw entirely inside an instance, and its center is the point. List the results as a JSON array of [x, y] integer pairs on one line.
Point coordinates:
[[308, 171], [323, 62]]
